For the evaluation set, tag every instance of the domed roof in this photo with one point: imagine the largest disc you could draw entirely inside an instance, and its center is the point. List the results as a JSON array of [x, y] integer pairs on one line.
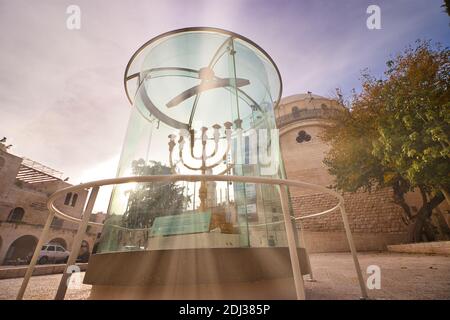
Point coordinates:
[[301, 96]]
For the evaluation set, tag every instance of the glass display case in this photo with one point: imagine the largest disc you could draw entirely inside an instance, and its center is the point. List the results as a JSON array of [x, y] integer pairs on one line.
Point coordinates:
[[202, 103]]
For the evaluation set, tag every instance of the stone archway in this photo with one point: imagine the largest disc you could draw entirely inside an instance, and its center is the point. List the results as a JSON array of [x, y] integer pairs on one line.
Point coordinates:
[[59, 241], [21, 250]]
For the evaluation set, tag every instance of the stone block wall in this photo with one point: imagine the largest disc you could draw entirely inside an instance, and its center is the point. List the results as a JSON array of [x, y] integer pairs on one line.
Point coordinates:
[[437, 247], [375, 221], [372, 212]]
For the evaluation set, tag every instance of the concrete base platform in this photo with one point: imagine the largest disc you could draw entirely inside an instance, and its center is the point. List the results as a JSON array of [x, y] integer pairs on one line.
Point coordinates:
[[212, 273], [279, 289]]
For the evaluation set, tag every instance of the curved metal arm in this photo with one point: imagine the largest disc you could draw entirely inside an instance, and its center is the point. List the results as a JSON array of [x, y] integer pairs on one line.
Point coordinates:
[[188, 178], [204, 86], [95, 185]]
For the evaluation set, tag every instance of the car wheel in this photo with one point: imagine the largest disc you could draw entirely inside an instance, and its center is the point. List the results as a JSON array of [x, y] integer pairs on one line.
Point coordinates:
[[43, 260]]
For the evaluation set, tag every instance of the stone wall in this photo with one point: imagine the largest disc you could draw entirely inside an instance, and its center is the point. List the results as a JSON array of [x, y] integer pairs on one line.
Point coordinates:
[[10, 232], [372, 212], [374, 219], [332, 241], [437, 247], [32, 198], [9, 166]]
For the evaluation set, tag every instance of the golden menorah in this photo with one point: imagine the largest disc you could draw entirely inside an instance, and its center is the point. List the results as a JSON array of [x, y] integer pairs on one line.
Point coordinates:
[[204, 157]]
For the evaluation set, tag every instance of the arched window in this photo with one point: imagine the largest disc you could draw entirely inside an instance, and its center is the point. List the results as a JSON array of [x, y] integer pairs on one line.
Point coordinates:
[[295, 111], [16, 215], [67, 200], [74, 199], [303, 136]]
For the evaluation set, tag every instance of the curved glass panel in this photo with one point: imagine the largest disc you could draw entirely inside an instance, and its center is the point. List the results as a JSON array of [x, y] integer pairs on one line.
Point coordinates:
[[203, 103]]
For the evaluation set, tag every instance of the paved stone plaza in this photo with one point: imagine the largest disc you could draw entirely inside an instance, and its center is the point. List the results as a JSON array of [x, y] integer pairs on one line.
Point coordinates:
[[403, 276]]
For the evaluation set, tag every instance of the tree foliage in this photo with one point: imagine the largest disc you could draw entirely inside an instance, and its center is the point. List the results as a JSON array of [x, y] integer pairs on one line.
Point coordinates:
[[446, 6], [396, 133], [150, 200]]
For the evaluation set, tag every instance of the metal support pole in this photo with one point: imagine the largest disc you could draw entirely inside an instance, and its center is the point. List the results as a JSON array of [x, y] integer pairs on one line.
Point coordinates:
[[351, 244], [62, 288], [303, 243], [296, 271], [35, 257]]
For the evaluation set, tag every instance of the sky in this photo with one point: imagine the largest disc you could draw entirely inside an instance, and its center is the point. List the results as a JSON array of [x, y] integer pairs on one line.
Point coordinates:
[[62, 101]]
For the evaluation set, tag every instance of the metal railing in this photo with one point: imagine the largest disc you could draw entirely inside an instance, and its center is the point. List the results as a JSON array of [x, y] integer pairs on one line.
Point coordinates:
[[305, 114], [42, 168], [282, 183]]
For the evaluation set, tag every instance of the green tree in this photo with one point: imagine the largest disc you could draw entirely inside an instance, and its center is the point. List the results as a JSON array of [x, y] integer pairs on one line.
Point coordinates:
[[446, 6], [150, 200], [396, 134]]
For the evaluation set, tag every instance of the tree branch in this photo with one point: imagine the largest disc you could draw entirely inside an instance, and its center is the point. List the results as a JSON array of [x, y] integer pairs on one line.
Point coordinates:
[[399, 199]]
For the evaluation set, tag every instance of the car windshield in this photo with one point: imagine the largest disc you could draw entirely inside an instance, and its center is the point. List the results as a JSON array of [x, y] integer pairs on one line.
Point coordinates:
[[44, 248]]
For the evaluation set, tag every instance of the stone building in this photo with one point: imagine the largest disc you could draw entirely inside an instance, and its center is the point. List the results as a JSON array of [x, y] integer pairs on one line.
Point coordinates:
[[25, 187], [375, 220]]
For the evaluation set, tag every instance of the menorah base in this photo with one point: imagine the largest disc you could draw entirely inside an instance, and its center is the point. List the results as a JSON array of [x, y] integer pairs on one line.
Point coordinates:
[[278, 289], [209, 273]]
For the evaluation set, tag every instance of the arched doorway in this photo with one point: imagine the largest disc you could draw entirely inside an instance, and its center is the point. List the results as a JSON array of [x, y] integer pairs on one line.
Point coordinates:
[[59, 241], [85, 253], [21, 250]]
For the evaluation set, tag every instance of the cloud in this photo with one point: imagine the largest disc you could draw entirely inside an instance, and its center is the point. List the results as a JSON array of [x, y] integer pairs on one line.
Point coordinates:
[[102, 170]]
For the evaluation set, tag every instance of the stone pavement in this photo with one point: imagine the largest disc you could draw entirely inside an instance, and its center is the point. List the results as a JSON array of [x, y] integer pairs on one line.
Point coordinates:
[[403, 276]]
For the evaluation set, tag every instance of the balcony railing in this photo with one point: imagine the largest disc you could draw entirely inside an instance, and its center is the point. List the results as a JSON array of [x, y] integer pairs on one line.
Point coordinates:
[[305, 114]]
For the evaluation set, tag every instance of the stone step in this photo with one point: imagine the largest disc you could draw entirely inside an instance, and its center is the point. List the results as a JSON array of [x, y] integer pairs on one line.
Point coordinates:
[[435, 247]]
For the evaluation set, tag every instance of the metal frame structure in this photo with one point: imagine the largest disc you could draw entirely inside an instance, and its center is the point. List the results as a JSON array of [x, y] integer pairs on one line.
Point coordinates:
[[31, 171], [282, 183], [196, 91], [128, 77]]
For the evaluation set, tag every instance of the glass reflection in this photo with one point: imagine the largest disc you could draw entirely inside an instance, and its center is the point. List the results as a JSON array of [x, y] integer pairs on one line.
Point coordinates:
[[203, 103]]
